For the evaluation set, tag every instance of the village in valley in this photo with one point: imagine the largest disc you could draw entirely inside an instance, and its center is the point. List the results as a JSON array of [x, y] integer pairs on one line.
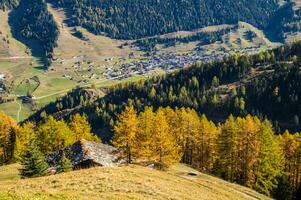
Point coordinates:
[[26, 85], [147, 64], [84, 70]]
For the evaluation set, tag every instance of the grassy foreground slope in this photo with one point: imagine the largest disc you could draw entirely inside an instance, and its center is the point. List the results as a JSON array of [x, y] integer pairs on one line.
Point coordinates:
[[131, 182]]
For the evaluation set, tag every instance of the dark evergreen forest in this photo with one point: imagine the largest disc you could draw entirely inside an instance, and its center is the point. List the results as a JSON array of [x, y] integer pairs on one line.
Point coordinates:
[[131, 19]]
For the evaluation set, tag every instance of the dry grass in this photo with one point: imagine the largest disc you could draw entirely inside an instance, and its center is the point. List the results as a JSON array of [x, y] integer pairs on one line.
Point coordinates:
[[97, 47], [131, 182], [14, 48], [9, 172]]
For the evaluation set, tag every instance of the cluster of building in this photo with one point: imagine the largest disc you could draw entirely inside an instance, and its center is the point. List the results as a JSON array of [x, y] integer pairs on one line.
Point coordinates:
[[167, 62], [146, 66]]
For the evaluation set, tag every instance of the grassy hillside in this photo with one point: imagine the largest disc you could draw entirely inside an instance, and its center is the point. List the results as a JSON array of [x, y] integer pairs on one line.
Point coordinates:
[[9, 172], [131, 182]]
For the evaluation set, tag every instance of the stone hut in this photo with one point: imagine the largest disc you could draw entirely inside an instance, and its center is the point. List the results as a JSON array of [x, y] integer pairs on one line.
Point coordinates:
[[85, 154]]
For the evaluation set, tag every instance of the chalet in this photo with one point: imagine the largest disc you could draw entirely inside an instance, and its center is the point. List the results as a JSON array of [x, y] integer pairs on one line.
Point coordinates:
[[85, 154]]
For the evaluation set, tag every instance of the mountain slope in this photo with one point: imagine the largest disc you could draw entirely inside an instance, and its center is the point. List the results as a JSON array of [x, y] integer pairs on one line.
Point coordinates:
[[266, 85], [285, 25], [32, 20], [131, 182], [132, 19]]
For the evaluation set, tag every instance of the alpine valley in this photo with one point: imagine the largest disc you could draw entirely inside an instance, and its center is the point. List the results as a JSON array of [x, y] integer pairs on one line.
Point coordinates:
[[150, 99]]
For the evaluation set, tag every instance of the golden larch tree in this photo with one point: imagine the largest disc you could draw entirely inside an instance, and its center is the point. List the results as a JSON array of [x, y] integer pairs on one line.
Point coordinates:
[[145, 133], [7, 137], [125, 132], [165, 148], [80, 126]]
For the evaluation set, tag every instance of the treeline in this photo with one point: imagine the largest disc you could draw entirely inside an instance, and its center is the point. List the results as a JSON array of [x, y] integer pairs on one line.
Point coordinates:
[[133, 19], [241, 150], [8, 4], [266, 85], [203, 38], [37, 23], [46, 137]]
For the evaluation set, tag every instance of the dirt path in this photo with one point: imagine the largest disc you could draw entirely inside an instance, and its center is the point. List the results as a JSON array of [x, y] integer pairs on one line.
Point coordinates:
[[15, 57], [19, 111]]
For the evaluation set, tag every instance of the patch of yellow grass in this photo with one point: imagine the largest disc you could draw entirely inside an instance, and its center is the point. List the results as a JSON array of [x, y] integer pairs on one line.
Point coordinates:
[[9, 172], [130, 182]]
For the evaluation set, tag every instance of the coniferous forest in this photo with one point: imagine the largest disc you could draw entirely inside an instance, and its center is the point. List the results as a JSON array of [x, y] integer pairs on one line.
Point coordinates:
[[30, 19], [37, 23], [133, 19], [8, 4]]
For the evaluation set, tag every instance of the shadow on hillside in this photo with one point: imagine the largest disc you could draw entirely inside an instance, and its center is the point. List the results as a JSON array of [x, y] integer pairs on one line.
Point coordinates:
[[68, 14], [14, 19]]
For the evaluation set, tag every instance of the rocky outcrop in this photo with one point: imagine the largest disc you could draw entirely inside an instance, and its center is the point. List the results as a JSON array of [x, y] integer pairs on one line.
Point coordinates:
[[85, 154]]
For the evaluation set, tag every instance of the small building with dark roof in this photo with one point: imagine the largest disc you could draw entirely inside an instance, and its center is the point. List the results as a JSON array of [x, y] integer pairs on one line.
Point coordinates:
[[85, 154]]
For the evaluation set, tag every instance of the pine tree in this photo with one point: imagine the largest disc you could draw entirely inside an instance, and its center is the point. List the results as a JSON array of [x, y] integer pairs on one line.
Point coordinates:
[[65, 164], [227, 149], [270, 160], [291, 149], [33, 164], [126, 129], [284, 190], [152, 93]]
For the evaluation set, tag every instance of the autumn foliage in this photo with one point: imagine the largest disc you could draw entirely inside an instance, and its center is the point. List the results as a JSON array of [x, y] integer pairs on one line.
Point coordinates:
[[50, 135], [242, 150]]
